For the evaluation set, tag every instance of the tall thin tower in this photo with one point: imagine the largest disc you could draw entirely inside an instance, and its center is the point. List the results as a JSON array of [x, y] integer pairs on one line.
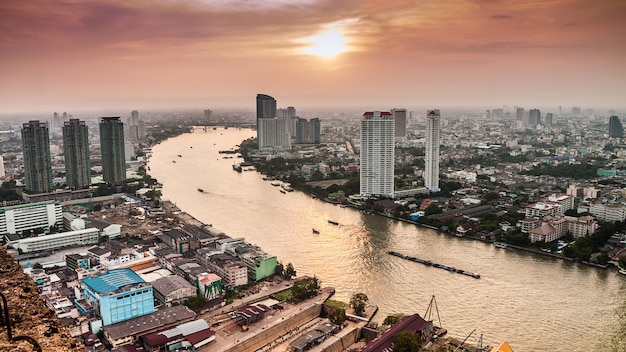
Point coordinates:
[[76, 150], [431, 172], [37, 162], [377, 154], [112, 149]]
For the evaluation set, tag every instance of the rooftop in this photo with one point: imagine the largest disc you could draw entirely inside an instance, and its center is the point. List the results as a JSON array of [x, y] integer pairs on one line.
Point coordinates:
[[147, 323], [113, 280], [169, 284]]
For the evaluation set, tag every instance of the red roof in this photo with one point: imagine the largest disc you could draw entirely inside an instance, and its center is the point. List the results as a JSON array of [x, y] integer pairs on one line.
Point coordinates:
[[384, 341], [200, 336], [382, 113]]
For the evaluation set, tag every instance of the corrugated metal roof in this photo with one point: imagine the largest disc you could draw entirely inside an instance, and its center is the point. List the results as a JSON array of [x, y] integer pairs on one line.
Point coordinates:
[[113, 280]]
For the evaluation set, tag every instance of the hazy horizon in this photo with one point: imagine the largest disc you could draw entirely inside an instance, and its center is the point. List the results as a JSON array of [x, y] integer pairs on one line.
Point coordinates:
[[207, 54]]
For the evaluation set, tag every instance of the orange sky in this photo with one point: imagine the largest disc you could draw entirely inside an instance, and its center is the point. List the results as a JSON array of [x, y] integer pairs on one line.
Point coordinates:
[[69, 55]]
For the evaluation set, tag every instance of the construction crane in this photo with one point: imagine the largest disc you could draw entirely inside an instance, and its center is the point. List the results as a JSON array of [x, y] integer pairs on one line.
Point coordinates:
[[462, 342]]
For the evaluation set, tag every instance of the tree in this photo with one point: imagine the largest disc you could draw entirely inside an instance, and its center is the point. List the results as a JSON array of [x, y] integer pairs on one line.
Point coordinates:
[[432, 209], [406, 341], [279, 269], [289, 271], [305, 288], [37, 265], [392, 319], [337, 316], [358, 302]]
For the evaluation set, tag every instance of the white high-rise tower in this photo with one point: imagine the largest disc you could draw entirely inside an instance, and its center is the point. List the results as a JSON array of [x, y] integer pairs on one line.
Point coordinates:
[[431, 172], [377, 154]]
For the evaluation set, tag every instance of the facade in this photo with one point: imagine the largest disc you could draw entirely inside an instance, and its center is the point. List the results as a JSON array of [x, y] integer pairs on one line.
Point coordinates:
[[112, 149], [377, 154], [231, 269], [616, 130], [608, 212], [25, 217], [534, 117], [539, 210], [209, 285], [119, 295], [56, 240], [549, 119], [431, 167], [274, 133], [187, 336], [37, 162], [265, 108], [399, 117], [308, 132], [76, 150]]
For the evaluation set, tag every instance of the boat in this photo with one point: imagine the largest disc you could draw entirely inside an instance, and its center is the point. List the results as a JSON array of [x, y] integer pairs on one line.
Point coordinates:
[[174, 161], [316, 230], [283, 191], [275, 183], [180, 156], [622, 271], [500, 244], [237, 167], [200, 190], [333, 222]]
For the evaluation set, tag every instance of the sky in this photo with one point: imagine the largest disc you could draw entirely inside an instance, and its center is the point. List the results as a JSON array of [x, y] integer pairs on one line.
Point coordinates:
[[69, 55]]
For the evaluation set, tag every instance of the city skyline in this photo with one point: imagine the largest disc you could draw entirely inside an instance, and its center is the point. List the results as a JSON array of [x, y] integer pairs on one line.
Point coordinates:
[[71, 55]]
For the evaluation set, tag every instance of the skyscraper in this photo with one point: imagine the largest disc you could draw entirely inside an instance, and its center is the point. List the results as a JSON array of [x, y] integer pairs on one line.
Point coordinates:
[[112, 149], [431, 169], [377, 154], [616, 130], [36, 150], [274, 133], [549, 119], [265, 107], [519, 114], [76, 150], [534, 117], [308, 131], [399, 116]]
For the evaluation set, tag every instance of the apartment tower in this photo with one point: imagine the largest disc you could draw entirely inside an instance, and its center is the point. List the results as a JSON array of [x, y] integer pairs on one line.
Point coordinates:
[[37, 162], [431, 169], [76, 151], [377, 154], [112, 149]]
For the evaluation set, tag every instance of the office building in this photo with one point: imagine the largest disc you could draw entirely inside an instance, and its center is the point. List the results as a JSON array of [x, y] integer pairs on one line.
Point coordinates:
[[616, 130], [119, 295], [399, 116], [519, 114], [37, 163], [534, 117], [136, 128], [549, 119], [308, 132], [377, 154], [76, 150], [112, 149], [208, 116], [265, 107], [54, 241], [431, 168]]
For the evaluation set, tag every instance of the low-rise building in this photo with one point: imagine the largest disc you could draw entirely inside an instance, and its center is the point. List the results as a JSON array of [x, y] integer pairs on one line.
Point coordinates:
[[119, 295], [188, 336], [25, 217], [172, 289], [608, 212], [54, 241]]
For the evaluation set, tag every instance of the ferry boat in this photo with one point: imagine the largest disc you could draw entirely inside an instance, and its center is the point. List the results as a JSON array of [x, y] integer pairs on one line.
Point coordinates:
[[316, 230], [500, 244]]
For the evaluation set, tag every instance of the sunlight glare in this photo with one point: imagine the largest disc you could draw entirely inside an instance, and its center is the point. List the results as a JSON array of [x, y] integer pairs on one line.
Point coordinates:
[[326, 44]]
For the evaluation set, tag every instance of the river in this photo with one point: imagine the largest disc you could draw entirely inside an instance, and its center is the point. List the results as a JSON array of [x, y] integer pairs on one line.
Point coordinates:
[[534, 302]]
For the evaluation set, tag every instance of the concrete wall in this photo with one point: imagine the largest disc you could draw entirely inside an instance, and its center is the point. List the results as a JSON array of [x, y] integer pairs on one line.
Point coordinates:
[[275, 331], [344, 342]]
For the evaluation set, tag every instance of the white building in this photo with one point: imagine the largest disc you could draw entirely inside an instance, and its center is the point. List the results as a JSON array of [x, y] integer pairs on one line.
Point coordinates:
[[377, 154], [274, 133], [431, 169], [24, 217], [608, 212], [55, 241]]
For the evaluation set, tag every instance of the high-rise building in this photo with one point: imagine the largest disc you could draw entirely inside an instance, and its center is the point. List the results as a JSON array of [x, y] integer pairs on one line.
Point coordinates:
[[76, 150], [576, 111], [308, 131], [136, 128], [616, 130], [519, 114], [399, 116], [2, 171], [208, 116], [112, 149], [431, 168], [534, 117], [265, 107], [377, 154], [549, 119], [274, 133], [37, 162]]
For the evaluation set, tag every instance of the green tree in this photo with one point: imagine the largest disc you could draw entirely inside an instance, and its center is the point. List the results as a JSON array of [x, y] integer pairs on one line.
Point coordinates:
[[432, 209], [337, 316], [392, 319], [358, 301], [37, 265], [279, 269], [305, 288], [289, 271], [406, 341]]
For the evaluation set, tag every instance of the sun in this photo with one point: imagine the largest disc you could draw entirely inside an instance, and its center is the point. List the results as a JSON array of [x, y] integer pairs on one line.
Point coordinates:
[[327, 44]]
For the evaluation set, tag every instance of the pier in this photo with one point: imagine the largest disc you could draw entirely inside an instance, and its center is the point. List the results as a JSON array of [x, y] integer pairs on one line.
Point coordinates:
[[435, 265]]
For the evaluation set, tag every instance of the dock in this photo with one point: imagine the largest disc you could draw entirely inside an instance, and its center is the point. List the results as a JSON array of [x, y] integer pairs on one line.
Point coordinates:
[[435, 265]]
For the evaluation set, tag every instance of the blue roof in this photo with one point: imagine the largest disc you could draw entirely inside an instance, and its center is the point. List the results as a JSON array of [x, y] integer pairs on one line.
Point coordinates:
[[113, 280]]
